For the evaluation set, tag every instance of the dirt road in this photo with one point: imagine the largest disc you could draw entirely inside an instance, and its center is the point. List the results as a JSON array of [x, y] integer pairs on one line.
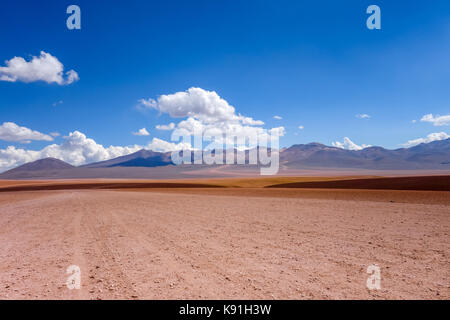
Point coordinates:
[[175, 245]]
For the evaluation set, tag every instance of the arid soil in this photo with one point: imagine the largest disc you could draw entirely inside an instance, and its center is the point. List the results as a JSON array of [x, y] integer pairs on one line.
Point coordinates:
[[248, 182], [430, 183], [224, 243]]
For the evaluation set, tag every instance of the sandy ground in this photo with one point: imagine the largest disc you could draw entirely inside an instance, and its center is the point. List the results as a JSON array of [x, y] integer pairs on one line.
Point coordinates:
[[211, 245], [246, 182], [423, 183]]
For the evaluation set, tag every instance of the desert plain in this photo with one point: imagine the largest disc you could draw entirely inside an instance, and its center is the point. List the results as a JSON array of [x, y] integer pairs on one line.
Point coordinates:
[[235, 238]]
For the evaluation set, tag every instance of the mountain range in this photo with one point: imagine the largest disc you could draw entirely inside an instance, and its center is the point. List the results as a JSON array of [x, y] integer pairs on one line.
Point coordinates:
[[312, 156]]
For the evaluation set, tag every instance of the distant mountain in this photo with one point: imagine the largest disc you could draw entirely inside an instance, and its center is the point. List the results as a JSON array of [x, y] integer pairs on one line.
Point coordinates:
[[42, 164], [312, 156], [141, 158], [433, 155]]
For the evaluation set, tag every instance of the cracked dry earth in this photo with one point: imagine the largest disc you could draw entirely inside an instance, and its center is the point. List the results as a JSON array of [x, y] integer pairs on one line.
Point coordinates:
[[175, 245]]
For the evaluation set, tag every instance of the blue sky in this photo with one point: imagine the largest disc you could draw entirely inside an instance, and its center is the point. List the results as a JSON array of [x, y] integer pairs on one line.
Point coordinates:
[[313, 63]]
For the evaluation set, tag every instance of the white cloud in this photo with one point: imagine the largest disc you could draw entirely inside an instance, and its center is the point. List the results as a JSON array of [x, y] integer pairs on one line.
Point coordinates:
[[75, 149], [170, 126], [363, 116], [72, 76], [12, 157], [141, 132], [278, 131], [437, 120], [164, 146], [349, 145], [58, 102], [301, 127], [206, 106], [277, 118], [147, 104], [54, 134], [43, 68], [206, 112], [194, 127], [429, 138], [9, 131]]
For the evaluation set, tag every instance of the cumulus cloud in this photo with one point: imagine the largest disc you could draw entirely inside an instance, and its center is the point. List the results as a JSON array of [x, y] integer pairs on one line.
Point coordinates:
[[12, 157], [141, 132], [437, 120], [301, 127], [278, 118], [164, 146], [75, 149], [429, 138], [144, 104], [278, 131], [205, 112], [43, 68], [363, 116], [170, 126], [9, 131], [197, 103], [72, 76], [349, 145], [194, 127]]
